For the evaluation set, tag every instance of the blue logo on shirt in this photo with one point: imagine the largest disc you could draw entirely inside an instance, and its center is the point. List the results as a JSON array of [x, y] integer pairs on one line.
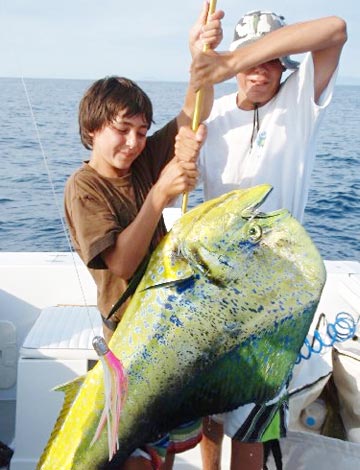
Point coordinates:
[[260, 139]]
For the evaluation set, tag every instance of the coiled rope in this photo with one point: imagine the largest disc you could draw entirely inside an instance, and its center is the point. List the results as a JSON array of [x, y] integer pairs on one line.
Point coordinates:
[[343, 328]]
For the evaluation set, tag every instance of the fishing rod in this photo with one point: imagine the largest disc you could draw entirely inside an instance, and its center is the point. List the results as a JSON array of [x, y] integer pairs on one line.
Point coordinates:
[[198, 105]]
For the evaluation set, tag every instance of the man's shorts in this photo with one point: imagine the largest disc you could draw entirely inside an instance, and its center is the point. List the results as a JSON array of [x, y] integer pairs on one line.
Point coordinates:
[[256, 423], [182, 438]]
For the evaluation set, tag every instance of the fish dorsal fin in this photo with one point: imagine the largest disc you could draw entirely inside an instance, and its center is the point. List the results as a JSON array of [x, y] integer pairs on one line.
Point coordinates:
[[70, 389]]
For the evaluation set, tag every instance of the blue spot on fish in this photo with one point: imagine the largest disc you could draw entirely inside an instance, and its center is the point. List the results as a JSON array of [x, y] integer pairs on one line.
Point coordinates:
[[246, 245], [145, 354], [185, 284], [160, 338], [174, 319]]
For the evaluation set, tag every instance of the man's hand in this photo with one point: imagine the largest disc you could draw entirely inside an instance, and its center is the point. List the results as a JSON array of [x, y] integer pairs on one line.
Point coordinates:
[[206, 32], [211, 67]]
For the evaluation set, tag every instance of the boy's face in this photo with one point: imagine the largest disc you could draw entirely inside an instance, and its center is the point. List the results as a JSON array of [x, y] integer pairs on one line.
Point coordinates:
[[118, 144]]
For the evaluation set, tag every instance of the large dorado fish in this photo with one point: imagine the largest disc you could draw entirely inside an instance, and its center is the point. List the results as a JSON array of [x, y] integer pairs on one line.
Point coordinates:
[[217, 321]]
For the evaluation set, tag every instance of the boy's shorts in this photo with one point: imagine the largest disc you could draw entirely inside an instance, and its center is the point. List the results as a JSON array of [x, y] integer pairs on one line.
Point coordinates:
[[182, 438], [256, 423]]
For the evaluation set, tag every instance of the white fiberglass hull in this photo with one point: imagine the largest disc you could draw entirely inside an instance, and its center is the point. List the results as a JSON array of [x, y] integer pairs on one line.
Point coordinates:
[[31, 282]]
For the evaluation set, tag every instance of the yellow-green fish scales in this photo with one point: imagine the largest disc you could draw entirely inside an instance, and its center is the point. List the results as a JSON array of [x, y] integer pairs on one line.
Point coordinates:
[[217, 321]]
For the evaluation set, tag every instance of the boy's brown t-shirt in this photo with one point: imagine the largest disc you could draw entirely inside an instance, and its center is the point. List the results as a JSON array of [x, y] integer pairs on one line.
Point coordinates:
[[98, 208]]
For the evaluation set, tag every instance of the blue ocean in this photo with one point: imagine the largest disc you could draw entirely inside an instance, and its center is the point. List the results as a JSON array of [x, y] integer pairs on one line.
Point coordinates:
[[40, 148]]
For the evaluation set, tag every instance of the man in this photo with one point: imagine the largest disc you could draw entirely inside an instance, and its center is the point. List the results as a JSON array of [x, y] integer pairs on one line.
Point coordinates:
[[265, 133]]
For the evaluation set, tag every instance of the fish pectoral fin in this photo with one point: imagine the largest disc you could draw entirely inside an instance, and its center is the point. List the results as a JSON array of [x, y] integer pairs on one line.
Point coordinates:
[[169, 273], [174, 283]]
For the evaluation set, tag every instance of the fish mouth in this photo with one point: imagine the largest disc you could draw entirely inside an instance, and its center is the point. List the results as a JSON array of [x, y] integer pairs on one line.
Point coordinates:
[[257, 197]]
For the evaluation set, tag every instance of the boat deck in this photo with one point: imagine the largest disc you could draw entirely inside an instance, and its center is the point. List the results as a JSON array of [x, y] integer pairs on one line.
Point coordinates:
[[23, 297]]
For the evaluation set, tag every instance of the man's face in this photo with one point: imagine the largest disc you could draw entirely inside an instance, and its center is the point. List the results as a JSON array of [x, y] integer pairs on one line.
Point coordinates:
[[118, 144], [259, 84]]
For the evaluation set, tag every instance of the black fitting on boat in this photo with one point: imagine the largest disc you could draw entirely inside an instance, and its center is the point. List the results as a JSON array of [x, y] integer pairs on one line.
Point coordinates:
[[5, 455]]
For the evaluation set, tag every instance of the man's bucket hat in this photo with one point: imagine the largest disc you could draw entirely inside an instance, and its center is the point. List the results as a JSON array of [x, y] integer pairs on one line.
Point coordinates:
[[256, 24]]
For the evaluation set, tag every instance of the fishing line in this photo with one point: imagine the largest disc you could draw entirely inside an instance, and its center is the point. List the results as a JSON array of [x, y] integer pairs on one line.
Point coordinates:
[[343, 328], [20, 67], [115, 381], [115, 378], [52, 186]]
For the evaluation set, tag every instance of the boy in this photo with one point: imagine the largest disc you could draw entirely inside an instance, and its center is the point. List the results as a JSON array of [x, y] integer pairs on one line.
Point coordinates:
[[114, 202]]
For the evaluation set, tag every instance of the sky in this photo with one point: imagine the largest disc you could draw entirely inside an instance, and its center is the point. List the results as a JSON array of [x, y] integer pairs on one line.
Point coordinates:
[[143, 40]]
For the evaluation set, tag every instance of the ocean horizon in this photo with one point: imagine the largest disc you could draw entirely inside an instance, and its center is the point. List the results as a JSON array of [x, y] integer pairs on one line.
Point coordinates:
[[34, 175], [342, 80]]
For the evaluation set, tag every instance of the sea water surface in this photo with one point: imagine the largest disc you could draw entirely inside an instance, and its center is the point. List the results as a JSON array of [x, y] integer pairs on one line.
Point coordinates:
[[40, 148]]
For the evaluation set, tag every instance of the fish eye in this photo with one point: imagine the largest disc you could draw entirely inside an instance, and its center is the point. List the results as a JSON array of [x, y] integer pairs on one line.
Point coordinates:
[[254, 233]]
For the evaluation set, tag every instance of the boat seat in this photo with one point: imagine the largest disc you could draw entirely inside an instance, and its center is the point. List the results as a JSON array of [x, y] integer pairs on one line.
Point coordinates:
[[57, 349]]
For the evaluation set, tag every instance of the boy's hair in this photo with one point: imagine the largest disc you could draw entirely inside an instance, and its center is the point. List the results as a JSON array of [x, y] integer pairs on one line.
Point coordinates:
[[103, 102]]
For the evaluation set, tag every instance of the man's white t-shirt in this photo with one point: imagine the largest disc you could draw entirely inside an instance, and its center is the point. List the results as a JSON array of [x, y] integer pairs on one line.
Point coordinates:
[[283, 151], [282, 155]]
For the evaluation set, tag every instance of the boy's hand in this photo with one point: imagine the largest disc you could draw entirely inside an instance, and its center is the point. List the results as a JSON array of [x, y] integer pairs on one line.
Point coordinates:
[[203, 33], [181, 173], [188, 143]]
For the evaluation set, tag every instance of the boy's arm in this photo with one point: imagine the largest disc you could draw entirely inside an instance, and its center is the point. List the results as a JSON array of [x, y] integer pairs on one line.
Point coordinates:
[[206, 31], [324, 37], [178, 176]]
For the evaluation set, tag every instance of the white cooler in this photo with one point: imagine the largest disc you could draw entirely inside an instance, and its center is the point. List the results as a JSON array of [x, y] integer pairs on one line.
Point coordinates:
[[57, 349]]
